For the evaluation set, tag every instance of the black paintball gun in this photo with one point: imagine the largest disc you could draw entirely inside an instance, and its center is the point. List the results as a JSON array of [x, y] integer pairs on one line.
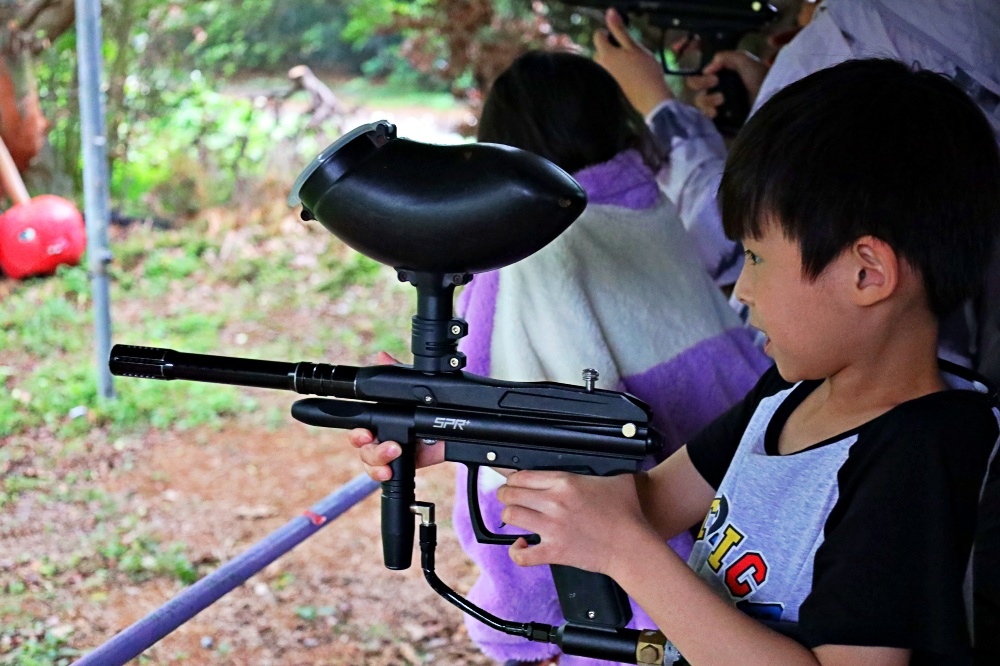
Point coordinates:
[[439, 214], [718, 25]]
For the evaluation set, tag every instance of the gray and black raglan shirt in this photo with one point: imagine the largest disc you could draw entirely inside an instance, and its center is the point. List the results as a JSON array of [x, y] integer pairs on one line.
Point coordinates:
[[862, 539]]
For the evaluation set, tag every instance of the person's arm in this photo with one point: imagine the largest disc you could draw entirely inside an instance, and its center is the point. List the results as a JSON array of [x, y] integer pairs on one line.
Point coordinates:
[[695, 158], [631, 64], [598, 524], [673, 495], [693, 148]]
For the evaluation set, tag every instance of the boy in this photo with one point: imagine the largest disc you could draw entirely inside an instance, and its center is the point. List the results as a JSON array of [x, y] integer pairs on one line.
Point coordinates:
[[842, 493]]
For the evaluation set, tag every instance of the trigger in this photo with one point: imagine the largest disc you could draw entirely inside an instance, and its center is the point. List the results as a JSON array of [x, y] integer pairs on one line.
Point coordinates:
[[483, 534]]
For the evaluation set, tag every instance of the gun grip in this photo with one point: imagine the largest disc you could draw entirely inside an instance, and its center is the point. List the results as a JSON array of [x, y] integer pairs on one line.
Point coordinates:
[[398, 495], [735, 108], [591, 598], [483, 534]]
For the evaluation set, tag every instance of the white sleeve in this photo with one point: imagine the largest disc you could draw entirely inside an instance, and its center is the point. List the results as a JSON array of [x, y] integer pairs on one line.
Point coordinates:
[[695, 157]]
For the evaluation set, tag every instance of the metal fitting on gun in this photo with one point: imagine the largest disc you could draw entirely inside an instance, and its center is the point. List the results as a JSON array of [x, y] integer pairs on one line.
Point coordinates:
[[651, 648], [590, 377], [425, 510]]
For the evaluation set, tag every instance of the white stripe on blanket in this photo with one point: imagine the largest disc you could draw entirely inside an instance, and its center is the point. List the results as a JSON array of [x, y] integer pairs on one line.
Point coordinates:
[[623, 322]]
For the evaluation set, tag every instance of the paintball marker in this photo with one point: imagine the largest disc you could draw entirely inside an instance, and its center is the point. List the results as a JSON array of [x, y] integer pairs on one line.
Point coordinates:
[[439, 214], [717, 24]]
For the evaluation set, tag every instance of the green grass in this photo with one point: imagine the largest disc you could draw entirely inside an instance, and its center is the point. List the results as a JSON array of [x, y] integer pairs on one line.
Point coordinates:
[[46, 330], [37, 645]]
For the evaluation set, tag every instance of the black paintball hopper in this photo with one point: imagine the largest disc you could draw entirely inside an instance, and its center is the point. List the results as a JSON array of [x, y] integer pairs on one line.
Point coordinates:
[[437, 209]]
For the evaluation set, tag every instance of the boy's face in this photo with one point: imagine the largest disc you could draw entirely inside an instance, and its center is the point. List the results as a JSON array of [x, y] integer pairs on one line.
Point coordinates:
[[807, 322]]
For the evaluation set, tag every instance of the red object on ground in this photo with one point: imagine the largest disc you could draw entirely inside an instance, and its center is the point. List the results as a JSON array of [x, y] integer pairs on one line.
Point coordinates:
[[38, 235]]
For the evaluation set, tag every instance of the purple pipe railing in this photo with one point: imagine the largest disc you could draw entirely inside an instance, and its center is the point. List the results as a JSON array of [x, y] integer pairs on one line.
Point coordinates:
[[134, 640]]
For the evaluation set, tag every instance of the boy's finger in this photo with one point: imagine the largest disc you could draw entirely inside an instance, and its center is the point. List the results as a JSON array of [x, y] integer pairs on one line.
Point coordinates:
[[601, 43], [383, 358], [534, 480], [616, 26], [525, 555], [707, 109], [359, 437], [700, 82], [525, 498], [715, 99], [524, 518], [378, 473], [377, 455]]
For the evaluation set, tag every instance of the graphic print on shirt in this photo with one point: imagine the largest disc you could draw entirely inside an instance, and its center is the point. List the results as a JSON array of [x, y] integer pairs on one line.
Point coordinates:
[[743, 571]]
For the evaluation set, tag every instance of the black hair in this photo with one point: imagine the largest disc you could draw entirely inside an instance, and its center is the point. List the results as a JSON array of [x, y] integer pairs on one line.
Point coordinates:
[[566, 108], [872, 147]]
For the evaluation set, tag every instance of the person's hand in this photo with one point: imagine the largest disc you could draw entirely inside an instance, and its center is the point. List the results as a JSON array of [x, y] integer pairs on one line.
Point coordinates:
[[749, 68], [583, 521], [376, 456], [632, 65]]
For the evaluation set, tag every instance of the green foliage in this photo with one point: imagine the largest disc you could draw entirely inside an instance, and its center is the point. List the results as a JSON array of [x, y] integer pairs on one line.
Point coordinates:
[[312, 613], [162, 60], [356, 270], [460, 44], [52, 323], [38, 645], [194, 153], [227, 38], [142, 557]]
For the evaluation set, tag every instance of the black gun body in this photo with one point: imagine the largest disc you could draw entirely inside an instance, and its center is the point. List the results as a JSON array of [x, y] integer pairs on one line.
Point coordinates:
[[544, 425], [385, 383], [478, 438]]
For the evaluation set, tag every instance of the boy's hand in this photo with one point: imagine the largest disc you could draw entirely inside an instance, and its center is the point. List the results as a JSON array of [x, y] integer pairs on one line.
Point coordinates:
[[749, 68], [376, 456], [584, 521], [632, 65]]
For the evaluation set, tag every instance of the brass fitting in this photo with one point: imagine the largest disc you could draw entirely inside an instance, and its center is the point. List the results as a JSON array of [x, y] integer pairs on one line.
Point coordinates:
[[651, 647]]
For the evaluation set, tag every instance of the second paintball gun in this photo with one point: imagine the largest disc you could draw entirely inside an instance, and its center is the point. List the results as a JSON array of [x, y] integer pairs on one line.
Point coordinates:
[[718, 25], [438, 214]]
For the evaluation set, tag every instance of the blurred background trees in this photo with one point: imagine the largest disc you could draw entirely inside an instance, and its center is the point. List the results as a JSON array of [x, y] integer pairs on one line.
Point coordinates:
[[189, 82], [194, 87]]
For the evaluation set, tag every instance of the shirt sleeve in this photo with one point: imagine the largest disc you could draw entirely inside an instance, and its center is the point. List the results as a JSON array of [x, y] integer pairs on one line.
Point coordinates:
[[695, 157], [713, 448], [896, 547]]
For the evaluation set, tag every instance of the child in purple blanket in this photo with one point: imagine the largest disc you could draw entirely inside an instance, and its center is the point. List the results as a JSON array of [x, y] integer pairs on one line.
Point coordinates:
[[621, 291]]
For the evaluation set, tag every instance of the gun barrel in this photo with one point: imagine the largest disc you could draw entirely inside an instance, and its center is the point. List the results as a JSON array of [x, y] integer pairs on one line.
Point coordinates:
[[307, 378]]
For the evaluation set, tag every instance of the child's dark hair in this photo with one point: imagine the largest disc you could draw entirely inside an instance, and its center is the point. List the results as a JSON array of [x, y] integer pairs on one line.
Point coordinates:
[[872, 147], [566, 108]]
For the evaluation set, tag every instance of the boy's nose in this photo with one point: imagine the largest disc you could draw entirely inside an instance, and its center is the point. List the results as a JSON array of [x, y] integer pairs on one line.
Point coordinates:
[[741, 290]]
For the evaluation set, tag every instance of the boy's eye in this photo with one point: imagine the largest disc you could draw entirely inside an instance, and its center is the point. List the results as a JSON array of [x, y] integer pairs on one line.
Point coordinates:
[[752, 258]]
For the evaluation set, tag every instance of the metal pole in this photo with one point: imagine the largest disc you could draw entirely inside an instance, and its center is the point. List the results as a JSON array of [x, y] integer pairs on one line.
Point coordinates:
[[95, 181], [134, 640]]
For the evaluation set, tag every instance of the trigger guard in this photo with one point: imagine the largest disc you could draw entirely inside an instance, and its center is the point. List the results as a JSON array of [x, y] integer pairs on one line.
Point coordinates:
[[483, 534]]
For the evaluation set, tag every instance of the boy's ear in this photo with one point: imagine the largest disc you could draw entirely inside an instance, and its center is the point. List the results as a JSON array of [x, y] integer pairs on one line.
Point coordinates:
[[875, 268]]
